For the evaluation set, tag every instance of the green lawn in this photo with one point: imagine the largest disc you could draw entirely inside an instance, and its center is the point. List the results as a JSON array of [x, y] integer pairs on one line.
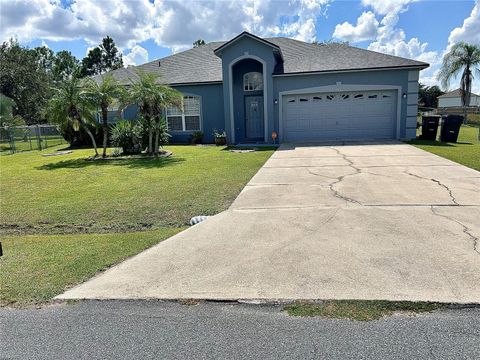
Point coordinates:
[[87, 215], [35, 268], [466, 151], [70, 194]]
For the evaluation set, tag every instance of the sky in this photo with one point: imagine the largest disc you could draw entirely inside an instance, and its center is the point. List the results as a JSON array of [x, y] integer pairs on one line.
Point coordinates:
[[146, 30]]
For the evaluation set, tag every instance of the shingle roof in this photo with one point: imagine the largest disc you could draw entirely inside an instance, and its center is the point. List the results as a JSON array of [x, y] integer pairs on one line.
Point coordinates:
[[454, 93], [201, 65]]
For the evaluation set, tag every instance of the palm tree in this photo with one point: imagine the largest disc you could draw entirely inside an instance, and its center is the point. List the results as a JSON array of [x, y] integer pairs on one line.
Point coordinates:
[[70, 104], [152, 98], [466, 57], [103, 94]]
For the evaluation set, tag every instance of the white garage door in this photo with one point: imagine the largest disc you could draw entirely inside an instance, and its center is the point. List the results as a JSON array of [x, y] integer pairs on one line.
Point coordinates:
[[339, 116]]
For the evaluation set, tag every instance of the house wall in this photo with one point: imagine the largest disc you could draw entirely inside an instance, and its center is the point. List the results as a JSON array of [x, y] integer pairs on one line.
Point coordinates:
[[211, 109], [457, 101], [387, 77], [245, 48]]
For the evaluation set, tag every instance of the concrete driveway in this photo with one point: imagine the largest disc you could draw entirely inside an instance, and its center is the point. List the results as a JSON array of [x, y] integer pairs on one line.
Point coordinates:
[[359, 221]]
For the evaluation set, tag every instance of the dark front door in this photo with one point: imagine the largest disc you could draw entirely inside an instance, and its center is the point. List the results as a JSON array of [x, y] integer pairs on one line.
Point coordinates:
[[254, 117]]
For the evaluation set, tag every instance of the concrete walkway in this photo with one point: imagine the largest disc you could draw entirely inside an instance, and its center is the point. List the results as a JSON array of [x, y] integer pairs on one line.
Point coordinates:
[[365, 221]]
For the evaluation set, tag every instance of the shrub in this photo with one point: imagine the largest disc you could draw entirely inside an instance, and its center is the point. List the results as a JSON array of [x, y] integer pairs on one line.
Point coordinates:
[[80, 138], [196, 137], [128, 136]]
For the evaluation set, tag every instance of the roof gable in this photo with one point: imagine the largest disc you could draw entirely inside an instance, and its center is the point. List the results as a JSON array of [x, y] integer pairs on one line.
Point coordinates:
[[218, 51]]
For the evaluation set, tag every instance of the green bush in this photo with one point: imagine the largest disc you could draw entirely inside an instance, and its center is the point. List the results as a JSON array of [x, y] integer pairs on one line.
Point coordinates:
[[196, 137], [80, 138], [128, 136]]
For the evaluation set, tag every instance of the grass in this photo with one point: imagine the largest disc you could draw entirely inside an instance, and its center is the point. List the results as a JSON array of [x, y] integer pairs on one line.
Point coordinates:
[[64, 218], [360, 310], [35, 268], [466, 151], [67, 193]]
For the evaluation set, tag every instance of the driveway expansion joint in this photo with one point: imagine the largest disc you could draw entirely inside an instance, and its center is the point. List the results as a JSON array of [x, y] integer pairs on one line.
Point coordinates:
[[454, 201]]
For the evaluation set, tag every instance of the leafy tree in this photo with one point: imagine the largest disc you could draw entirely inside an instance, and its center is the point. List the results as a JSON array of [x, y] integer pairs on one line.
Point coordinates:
[[65, 65], [464, 58], [152, 98], [24, 79], [111, 57], [427, 95], [69, 104], [198, 43], [6, 113], [102, 58], [103, 93]]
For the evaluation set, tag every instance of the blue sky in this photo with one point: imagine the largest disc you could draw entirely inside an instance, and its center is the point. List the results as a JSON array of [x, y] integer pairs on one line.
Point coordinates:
[[148, 29]]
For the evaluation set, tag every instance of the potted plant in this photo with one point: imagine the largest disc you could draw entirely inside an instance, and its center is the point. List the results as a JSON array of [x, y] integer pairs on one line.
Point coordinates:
[[220, 137], [196, 137]]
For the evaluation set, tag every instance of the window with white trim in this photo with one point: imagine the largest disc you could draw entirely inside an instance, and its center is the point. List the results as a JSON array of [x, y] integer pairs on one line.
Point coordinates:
[[252, 81], [186, 120]]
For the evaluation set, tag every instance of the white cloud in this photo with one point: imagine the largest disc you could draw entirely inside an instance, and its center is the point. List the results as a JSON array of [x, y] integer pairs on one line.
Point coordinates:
[[365, 29], [470, 30], [384, 7], [174, 24], [137, 55]]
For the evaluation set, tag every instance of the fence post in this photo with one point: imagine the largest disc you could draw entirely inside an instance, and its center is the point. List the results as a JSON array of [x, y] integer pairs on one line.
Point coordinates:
[[39, 138]]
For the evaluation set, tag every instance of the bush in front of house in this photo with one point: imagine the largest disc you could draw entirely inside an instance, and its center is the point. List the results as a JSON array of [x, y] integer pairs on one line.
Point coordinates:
[[79, 137], [128, 136], [196, 137]]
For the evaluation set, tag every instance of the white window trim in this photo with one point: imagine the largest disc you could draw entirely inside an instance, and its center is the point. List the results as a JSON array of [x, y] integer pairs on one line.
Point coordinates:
[[183, 116], [252, 73]]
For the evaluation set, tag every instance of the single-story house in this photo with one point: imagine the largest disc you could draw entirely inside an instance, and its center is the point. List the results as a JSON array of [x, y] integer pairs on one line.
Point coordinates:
[[251, 87], [453, 99]]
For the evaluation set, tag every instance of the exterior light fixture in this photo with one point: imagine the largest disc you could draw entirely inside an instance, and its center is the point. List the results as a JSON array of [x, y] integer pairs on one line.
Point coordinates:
[[274, 136], [275, 101], [404, 95]]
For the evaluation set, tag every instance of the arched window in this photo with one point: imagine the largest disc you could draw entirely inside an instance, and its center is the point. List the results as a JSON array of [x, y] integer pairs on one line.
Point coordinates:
[[252, 81]]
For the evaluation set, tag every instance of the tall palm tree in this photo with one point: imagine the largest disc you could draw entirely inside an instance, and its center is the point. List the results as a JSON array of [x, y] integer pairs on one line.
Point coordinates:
[[466, 57], [70, 104], [103, 94], [152, 97]]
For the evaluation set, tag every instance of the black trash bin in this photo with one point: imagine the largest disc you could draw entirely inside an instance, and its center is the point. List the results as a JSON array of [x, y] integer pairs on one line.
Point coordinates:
[[451, 128], [430, 127]]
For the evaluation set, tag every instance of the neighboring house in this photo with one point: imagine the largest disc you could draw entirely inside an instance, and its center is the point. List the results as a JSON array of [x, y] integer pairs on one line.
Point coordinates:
[[250, 87], [453, 99]]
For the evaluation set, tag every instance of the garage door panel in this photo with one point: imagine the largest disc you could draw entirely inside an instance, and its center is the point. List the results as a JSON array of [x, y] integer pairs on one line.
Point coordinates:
[[339, 116]]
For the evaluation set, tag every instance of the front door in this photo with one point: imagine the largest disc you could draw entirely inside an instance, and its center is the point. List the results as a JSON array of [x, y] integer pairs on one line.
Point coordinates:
[[254, 117]]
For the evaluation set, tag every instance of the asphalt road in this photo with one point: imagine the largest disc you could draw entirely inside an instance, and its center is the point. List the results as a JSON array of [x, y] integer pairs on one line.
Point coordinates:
[[165, 330]]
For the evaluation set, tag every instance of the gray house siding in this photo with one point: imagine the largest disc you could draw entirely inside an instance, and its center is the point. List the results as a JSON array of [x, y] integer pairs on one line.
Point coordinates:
[[246, 48], [211, 110], [385, 77]]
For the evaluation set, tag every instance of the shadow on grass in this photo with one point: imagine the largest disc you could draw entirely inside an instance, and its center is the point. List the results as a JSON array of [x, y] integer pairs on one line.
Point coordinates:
[[134, 163], [253, 147]]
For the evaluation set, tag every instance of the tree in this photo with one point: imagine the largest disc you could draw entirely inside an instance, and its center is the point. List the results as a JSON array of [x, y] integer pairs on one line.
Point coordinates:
[[102, 58], [65, 65], [69, 104], [464, 58], [103, 93], [427, 95], [6, 113], [152, 98], [24, 79], [111, 58], [198, 43]]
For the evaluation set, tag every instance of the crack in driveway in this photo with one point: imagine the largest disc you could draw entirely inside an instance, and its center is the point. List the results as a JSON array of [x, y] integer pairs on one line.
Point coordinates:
[[466, 230], [454, 201]]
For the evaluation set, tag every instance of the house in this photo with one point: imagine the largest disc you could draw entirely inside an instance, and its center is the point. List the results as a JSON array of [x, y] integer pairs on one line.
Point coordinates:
[[453, 99], [251, 86]]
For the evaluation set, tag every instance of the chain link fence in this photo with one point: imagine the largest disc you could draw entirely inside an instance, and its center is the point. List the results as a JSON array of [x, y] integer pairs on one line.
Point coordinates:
[[26, 138]]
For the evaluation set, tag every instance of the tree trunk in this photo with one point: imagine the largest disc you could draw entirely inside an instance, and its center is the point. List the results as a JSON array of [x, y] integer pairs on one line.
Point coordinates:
[[105, 130], [157, 135], [465, 115], [94, 143], [150, 140]]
